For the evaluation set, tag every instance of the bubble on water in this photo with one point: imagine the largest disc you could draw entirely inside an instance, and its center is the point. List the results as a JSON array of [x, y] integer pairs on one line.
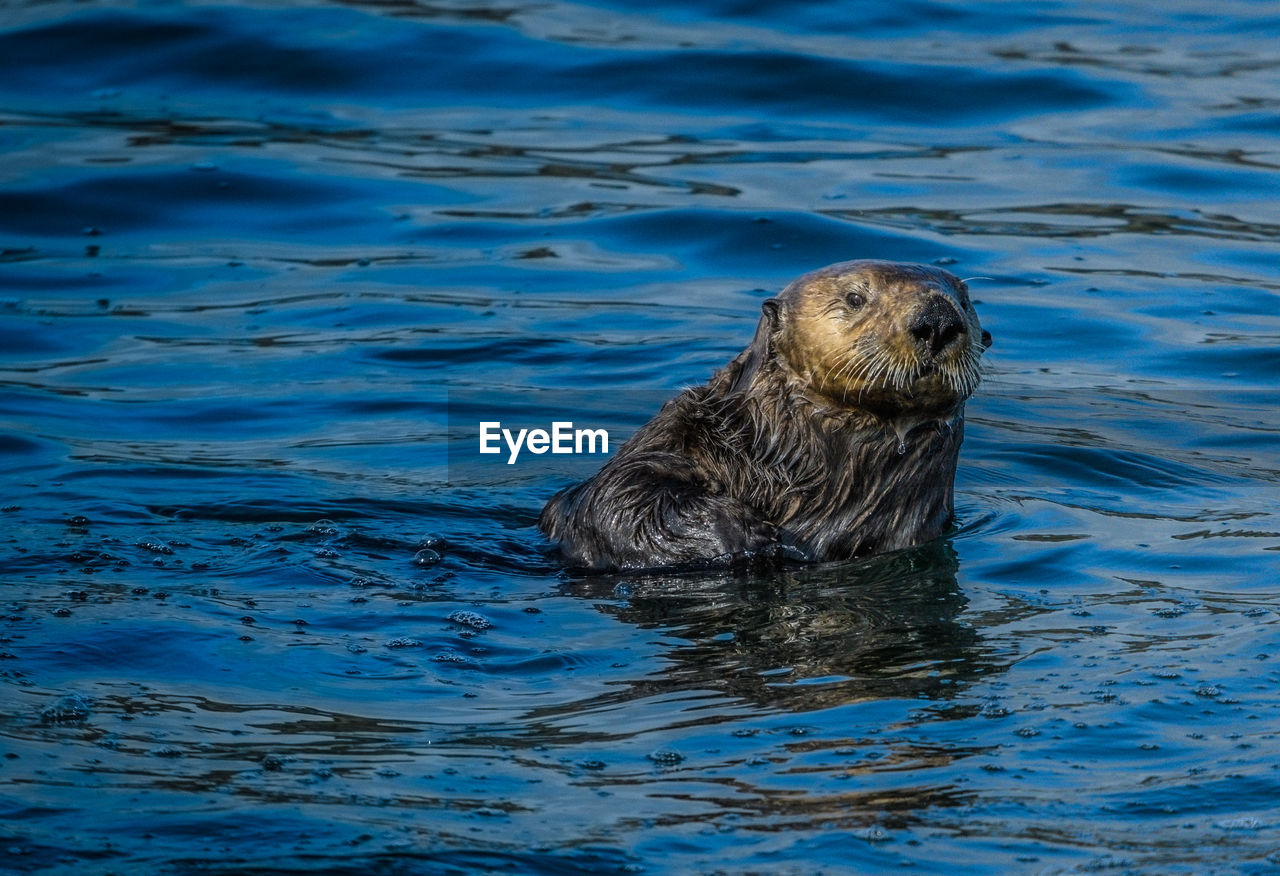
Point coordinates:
[[324, 526], [666, 757], [1245, 822], [426, 557], [471, 619], [69, 709], [874, 834], [155, 547], [77, 522], [274, 762], [1208, 690], [431, 541], [404, 642], [327, 554], [994, 710], [167, 751]]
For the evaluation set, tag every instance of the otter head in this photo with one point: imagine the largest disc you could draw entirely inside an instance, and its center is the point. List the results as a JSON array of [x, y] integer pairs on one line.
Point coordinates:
[[891, 339]]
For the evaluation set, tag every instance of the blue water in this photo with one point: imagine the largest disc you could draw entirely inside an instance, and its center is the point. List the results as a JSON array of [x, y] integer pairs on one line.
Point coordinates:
[[263, 266]]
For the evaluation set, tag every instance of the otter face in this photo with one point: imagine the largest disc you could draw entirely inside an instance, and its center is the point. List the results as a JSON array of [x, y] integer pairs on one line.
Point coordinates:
[[889, 338]]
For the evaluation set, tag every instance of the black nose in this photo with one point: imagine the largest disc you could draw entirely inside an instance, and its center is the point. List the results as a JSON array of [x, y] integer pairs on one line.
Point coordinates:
[[937, 324]]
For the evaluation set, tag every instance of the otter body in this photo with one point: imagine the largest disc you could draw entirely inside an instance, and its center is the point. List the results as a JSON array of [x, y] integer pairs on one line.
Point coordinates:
[[835, 434]]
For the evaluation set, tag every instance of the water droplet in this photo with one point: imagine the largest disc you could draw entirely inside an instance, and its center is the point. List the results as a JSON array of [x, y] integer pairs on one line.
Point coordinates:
[[902, 448]]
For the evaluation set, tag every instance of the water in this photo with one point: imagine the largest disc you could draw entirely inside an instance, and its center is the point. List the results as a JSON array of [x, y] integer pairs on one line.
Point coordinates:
[[262, 262]]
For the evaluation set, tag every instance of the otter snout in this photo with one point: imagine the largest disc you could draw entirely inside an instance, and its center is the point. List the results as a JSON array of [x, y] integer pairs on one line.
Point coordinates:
[[937, 324]]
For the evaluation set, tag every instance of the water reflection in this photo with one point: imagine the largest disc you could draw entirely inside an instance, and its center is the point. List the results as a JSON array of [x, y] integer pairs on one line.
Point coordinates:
[[806, 639]]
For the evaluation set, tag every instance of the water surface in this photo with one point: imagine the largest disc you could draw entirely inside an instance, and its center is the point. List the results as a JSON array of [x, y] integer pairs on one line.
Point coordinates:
[[255, 618]]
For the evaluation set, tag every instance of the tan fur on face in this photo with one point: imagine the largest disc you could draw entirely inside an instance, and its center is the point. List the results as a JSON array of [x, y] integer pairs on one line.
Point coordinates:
[[866, 356]]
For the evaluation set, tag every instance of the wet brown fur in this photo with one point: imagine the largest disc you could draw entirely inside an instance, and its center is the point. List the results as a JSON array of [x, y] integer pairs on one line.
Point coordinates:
[[834, 434]]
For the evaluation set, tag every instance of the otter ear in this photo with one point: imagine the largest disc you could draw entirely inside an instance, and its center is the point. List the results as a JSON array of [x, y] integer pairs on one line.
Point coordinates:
[[772, 309], [760, 350]]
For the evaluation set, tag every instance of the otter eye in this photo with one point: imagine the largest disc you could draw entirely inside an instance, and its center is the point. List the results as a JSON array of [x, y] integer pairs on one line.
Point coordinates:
[[855, 299]]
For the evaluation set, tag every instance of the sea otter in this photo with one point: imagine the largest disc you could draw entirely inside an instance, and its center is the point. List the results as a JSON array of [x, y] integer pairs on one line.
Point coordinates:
[[833, 435]]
